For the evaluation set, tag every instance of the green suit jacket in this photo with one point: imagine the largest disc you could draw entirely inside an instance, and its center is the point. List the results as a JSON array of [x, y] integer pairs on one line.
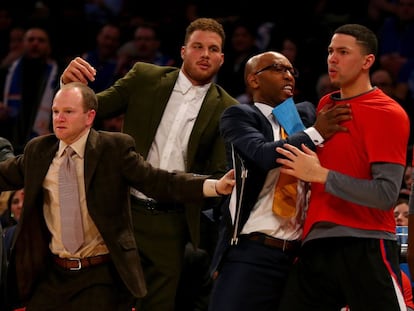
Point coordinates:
[[143, 95], [112, 165]]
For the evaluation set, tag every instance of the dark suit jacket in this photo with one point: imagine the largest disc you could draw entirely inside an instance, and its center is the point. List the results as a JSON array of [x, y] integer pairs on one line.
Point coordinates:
[[143, 95], [111, 166], [251, 134]]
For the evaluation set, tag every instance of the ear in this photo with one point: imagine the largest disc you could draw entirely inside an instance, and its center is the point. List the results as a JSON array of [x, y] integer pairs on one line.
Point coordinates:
[[251, 81], [369, 61], [182, 52], [91, 116], [222, 59]]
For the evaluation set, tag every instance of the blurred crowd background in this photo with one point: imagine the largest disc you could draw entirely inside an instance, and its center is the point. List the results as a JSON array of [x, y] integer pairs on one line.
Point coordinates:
[[107, 31]]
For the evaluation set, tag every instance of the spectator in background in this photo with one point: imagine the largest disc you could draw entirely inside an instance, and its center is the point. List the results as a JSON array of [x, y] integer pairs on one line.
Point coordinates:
[[289, 46], [6, 24], [11, 217], [401, 212], [407, 181], [104, 57], [241, 47], [324, 86], [397, 33], [145, 47], [383, 79], [16, 46], [28, 87]]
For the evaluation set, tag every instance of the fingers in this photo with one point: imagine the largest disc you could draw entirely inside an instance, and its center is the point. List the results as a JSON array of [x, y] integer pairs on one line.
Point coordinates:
[[289, 151], [230, 174], [327, 107], [342, 129], [295, 151], [307, 150], [90, 69], [78, 70]]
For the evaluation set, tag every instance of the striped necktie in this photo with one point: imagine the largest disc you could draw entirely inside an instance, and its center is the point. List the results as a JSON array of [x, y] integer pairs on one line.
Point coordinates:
[[70, 212]]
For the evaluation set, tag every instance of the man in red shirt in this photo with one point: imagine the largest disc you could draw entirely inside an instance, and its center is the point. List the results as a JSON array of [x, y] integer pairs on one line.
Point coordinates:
[[350, 253]]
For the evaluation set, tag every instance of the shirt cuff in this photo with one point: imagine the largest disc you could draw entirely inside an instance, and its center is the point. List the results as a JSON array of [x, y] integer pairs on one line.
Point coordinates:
[[314, 135], [209, 188]]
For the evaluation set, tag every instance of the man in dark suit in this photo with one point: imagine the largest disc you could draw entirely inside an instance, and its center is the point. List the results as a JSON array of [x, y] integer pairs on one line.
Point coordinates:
[[256, 246], [173, 115], [104, 273]]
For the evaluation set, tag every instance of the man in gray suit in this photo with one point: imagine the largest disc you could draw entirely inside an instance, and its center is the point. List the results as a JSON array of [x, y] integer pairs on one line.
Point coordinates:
[[173, 115], [104, 273]]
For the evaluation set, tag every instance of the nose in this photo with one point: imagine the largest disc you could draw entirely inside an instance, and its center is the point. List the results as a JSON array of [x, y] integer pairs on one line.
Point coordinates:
[[290, 75], [58, 116], [205, 52], [331, 58]]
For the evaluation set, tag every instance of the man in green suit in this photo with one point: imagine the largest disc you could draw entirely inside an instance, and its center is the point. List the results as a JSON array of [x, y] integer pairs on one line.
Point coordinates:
[[173, 115]]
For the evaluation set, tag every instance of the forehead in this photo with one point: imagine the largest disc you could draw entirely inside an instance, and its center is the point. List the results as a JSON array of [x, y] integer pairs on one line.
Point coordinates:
[[68, 97], [110, 31], [144, 31], [274, 58], [36, 33], [402, 205], [205, 37], [340, 40]]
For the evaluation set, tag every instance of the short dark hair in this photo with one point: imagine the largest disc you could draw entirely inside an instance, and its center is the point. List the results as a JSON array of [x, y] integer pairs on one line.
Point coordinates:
[[205, 24], [364, 36]]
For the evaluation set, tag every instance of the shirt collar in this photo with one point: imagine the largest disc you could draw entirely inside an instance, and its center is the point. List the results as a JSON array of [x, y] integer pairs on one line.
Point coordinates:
[[265, 109], [78, 146]]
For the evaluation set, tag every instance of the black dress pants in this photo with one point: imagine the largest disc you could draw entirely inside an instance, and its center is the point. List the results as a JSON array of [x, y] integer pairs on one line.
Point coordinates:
[[94, 288]]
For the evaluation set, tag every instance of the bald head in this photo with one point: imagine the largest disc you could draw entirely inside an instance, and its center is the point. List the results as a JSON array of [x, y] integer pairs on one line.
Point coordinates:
[[270, 78], [259, 61]]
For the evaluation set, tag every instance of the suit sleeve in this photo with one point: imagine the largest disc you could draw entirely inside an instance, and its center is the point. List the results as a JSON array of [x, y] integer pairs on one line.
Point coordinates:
[[157, 183], [246, 129]]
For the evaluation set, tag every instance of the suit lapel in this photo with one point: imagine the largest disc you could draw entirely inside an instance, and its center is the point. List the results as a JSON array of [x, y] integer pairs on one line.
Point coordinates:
[[92, 152], [163, 94], [42, 166], [208, 107]]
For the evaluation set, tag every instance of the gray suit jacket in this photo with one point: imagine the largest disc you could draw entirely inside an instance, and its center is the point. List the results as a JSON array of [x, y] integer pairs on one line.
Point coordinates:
[[143, 95], [111, 166]]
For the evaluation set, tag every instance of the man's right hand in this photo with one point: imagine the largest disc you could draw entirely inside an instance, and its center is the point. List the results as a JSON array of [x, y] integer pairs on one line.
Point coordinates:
[[329, 119], [78, 70]]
